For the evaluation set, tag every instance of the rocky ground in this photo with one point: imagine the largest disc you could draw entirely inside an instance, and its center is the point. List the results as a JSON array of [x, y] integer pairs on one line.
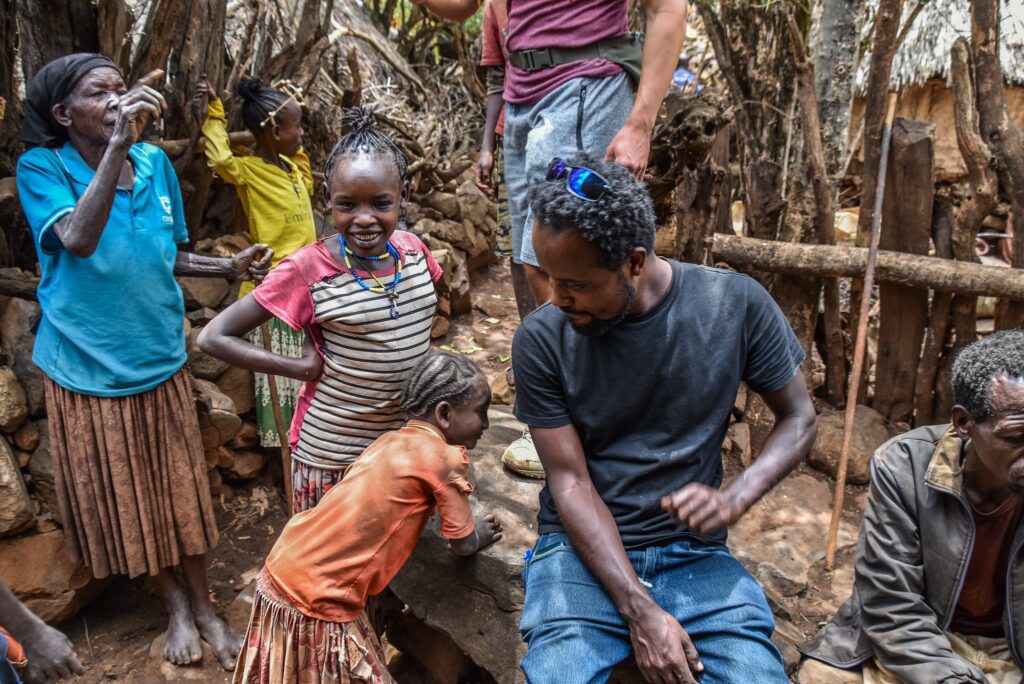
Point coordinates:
[[470, 606]]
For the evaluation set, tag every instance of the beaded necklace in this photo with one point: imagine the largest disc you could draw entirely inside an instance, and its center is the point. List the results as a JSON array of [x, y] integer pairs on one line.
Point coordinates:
[[380, 287]]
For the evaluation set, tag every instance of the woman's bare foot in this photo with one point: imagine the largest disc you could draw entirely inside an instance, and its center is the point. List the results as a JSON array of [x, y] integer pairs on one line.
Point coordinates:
[[225, 642], [181, 640]]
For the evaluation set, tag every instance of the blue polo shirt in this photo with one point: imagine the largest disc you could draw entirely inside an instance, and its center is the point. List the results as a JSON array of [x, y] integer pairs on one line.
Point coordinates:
[[112, 321]]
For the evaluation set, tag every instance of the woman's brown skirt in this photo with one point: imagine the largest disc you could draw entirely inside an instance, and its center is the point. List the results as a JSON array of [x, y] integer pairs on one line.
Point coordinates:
[[131, 477], [284, 646]]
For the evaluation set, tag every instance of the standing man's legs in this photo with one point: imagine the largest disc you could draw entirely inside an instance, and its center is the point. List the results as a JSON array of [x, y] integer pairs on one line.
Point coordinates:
[[583, 114]]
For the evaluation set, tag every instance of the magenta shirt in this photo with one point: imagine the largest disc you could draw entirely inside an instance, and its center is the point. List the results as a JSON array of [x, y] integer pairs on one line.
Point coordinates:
[[559, 23]]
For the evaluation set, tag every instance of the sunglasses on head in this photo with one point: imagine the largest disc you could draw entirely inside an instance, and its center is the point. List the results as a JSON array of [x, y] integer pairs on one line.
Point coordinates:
[[582, 182]]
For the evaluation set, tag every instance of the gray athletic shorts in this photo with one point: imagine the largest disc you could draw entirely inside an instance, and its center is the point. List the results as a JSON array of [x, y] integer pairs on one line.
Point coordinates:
[[581, 114]]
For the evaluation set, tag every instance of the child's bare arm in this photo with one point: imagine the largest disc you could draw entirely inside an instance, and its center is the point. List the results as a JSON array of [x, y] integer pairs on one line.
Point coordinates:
[[486, 532]]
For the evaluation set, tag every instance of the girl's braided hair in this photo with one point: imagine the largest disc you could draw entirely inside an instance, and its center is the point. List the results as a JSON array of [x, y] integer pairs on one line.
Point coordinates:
[[439, 376], [258, 101], [364, 137]]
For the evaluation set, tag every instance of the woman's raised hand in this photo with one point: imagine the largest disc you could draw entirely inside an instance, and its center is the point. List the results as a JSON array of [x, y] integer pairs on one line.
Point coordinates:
[[136, 106]]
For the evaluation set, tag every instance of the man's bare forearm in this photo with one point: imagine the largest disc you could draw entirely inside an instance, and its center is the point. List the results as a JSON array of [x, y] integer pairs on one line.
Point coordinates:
[[666, 31], [790, 440]]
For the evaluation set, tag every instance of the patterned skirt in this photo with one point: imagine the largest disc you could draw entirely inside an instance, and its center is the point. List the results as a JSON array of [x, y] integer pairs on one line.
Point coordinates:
[[287, 342], [284, 646], [310, 483], [131, 477]]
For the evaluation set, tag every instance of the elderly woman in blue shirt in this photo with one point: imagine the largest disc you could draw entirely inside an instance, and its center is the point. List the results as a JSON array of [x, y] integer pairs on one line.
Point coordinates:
[[108, 222]]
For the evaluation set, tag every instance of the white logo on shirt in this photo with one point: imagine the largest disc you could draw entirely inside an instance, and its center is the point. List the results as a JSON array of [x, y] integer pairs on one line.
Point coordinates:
[[165, 202]]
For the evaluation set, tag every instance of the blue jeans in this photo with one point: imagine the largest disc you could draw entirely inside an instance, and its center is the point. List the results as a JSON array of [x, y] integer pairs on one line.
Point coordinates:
[[574, 634]]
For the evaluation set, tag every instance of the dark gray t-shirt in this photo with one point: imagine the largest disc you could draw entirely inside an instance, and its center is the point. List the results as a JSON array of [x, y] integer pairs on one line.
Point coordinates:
[[651, 398]]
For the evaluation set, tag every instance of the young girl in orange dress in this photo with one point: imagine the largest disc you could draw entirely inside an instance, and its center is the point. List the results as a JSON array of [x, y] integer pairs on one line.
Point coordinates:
[[308, 621]]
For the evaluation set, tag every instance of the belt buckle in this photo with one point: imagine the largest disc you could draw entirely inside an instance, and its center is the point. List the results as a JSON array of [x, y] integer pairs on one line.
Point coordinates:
[[537, 59]]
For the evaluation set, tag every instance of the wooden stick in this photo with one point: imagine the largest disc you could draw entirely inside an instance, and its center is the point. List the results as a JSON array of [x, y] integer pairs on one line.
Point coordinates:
[[282, 433], [861, 343]]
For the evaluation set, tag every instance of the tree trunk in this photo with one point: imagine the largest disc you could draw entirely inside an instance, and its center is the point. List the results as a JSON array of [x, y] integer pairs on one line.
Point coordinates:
[[186, 38], [49, 29], [835, 69], [907, 217], [998, 131]]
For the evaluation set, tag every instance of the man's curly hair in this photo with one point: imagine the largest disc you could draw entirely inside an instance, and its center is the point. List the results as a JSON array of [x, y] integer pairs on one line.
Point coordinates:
[[977, 364], [616, 224]]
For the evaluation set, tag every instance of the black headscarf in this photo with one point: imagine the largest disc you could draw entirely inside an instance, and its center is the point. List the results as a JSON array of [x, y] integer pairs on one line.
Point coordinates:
[[50, 86]]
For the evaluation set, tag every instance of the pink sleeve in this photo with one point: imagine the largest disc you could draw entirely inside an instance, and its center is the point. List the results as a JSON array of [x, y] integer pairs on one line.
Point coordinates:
[[410, 242], [285, 293]]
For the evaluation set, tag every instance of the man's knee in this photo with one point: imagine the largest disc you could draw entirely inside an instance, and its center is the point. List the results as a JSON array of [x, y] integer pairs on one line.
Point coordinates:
[[573, 651]]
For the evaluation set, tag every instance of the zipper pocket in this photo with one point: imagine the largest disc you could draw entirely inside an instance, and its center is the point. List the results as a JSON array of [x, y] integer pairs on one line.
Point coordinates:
[[579, 119]]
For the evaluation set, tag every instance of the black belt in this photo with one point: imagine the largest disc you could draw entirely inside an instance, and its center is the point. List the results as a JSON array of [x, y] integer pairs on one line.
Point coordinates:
[[625, 50]]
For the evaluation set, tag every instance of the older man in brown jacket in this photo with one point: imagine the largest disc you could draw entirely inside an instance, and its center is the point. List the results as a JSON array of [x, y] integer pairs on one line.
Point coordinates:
[[939, 588]]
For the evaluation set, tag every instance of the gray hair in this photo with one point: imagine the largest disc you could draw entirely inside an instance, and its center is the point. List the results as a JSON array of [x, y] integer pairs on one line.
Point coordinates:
[[977, 364]]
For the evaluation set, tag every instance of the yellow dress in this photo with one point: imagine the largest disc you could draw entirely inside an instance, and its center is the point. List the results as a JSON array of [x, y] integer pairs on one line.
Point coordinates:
[[276, 203]]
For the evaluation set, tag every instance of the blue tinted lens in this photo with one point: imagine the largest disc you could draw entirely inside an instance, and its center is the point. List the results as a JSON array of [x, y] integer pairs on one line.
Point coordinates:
[[587, 184], [556, 170]]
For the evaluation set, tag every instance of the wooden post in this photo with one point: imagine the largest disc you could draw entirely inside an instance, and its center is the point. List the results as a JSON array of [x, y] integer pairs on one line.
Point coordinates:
[[907, 218], [282, 429], [938, 318], [859, 346]]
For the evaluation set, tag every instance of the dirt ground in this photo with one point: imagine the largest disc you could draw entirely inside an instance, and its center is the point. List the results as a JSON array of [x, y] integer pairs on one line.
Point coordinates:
[[114, 635]]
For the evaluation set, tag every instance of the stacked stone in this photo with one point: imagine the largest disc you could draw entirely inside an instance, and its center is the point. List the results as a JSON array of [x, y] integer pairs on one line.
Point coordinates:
[[459, 225]]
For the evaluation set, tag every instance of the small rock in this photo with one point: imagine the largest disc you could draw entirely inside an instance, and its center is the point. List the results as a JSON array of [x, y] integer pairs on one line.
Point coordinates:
[[474, 205], [777, 536], [19, 320], [13, 403], [200, 292], [237, 614], [740, 403], [216, 481], [239, 385], [16, 510], [203, 671], [870, 431], [210, 396], [55, 589], [204, 366], [208, 431], [246, 466], [23, 458], [227, 423], [739, 435], [27, 437], [413, 214], [40, 467], [501, 393], [200, 316], [444, 202], [230, 245], [248, 437], [786, 637], [440, 327]]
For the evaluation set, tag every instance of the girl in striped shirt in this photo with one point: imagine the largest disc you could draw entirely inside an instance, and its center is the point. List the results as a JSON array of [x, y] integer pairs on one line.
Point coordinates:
[[365, 298]]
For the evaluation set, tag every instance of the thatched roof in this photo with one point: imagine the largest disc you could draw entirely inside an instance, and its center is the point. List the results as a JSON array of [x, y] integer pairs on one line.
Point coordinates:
[[924, 54]]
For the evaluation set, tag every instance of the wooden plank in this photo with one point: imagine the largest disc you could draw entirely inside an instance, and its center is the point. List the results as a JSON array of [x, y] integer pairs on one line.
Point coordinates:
[[906, 227]]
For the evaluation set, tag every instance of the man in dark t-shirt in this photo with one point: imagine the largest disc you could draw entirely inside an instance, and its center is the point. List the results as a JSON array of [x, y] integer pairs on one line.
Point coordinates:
[[626, 379]]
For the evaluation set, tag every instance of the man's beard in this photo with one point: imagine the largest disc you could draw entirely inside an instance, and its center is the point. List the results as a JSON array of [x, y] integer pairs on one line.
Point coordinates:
[[599, 326]]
